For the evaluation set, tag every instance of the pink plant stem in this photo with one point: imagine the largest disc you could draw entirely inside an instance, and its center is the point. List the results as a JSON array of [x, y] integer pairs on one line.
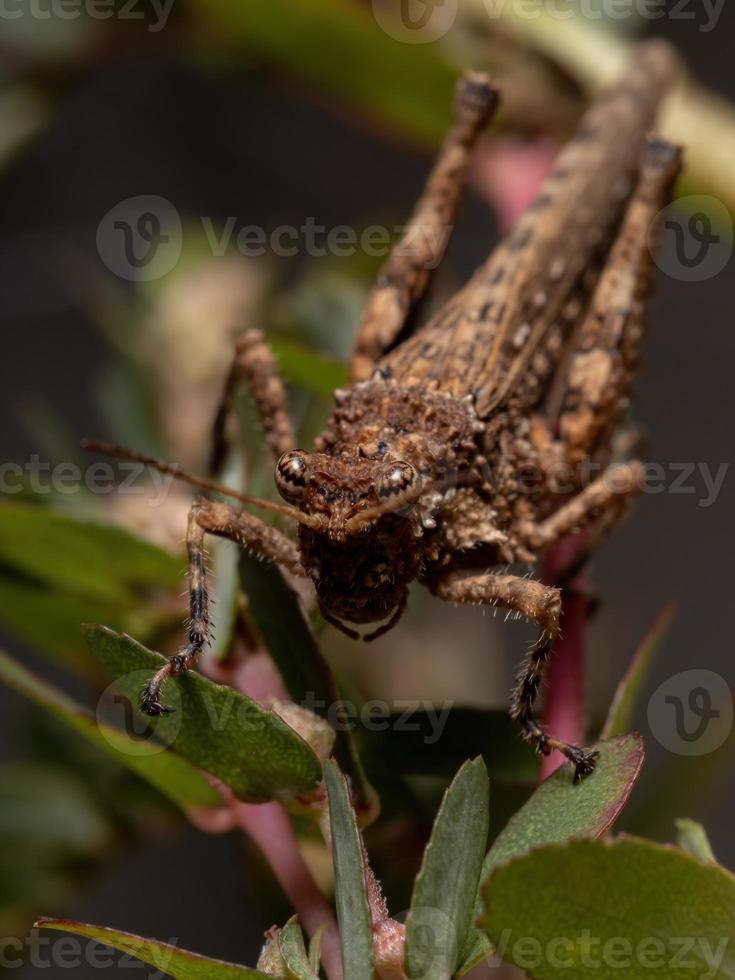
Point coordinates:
[[268, 825], [564, 714]]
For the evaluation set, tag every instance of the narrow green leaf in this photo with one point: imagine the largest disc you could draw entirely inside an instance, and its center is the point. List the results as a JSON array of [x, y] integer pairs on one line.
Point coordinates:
[[50, 809], [620, 715], [676, 784], [692, 838], [48, 620], [168, 772], [225, 592], [436, 742], [279, 618], [23, 109], [446, 887], [82, 558], [293, 951], [288, 637], [559, 810], [626, 909], [249, 748], [52, 436], [324, 307], [315, 372], [170, 960], [321, 41], [353, 911]]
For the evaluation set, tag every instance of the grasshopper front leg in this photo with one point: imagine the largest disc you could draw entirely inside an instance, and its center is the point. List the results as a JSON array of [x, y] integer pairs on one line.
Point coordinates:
[[541, 604], [225, 521]]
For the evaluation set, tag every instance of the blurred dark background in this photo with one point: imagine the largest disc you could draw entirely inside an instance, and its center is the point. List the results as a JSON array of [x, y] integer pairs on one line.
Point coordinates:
[[145, 116]]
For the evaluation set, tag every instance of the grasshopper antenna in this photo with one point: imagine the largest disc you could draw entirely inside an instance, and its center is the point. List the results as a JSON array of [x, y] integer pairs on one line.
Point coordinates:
[[173, 469]]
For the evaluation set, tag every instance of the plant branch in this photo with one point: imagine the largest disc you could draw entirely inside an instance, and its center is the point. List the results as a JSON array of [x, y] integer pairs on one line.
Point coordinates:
[[268, 825], [564, 714]]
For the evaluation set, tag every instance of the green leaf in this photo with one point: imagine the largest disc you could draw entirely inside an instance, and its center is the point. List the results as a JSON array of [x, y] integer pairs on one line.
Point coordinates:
[[293, 951], [678, 783], [51, 808], [620, 715], [48, 620], [315, 372], [224, 589], [434, 743], [446, 886], [692, 838], [559, 810], [170, 960], [249, 748], [288, 637], [324, 308], [23, 109], [353, 911], [322, 42], [84, 558], [279, 618], [626, 909], [168, 772]]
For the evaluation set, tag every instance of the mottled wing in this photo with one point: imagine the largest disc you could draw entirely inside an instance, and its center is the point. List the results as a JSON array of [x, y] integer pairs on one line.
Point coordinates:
[[483, 342]]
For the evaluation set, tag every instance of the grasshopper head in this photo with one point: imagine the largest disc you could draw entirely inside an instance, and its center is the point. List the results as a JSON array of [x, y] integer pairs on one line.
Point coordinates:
[[358, 533], [341, 495]]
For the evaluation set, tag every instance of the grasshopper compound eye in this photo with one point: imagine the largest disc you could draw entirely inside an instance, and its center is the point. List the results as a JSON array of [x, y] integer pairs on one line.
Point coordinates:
[[398, 481], [291, 475]]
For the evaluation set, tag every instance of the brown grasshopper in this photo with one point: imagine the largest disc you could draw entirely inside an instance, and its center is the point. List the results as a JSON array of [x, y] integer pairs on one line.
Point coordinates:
[[422, 471]]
